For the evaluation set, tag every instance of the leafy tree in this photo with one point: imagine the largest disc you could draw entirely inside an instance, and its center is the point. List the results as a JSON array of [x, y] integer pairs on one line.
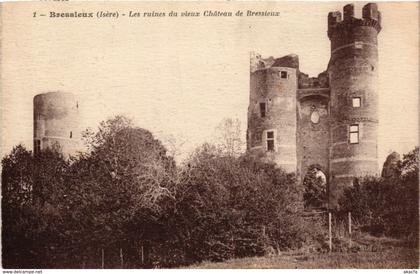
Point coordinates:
[[228, 207], [387, 205], [122, 189], [17, 184], [17, 179], [32, 189], [117, 195]]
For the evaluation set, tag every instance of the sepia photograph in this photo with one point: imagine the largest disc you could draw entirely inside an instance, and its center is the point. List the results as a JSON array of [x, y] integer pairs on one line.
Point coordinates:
[[209, 135]]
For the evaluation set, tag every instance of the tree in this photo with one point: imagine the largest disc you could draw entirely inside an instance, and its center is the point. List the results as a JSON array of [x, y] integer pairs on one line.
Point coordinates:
[[59, 213], [229, 140], [387, 205], [122, 187], [32, 189], [17, 179], [233, 207]]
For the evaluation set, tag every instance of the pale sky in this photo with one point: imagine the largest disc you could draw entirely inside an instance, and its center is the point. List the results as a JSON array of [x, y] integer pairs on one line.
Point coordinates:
[[181, 76]]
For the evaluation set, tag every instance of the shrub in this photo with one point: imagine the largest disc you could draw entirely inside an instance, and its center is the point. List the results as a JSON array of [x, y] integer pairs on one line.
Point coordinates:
[[387, 206], [231, 207]]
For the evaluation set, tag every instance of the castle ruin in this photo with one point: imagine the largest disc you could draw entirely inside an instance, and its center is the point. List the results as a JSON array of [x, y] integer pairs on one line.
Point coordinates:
[[328, 122], [56, 123]]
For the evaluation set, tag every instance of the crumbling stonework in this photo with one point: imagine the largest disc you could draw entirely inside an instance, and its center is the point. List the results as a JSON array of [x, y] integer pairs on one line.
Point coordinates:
[[329, 121], [391, 167], [56, 122]]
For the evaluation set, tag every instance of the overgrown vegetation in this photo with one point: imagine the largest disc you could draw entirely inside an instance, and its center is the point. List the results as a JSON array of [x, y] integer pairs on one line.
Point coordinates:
[[126, 204], [389, 205], [315, 189]]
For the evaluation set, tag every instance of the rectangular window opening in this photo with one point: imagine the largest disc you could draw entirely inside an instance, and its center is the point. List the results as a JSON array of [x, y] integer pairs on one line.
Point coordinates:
[[354, 134], [263, 109], [270, 141], [356, 102], [283, 74]]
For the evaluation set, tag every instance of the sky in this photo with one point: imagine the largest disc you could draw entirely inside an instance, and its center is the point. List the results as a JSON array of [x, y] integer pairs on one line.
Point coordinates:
[[180, 77]]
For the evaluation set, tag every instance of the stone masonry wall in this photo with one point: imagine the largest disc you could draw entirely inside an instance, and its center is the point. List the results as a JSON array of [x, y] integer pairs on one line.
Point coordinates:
[[279, 96], [312, 116], [56, 122]]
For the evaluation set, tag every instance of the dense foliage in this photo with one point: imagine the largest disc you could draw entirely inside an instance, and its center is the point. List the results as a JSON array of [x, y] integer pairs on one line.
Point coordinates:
[[388, 205], [230, 207], [315, 189], [124, 203]]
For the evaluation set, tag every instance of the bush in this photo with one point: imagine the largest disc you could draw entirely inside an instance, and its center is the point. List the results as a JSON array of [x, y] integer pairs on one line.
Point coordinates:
[[229, 207], [387, 206], [126, 196]]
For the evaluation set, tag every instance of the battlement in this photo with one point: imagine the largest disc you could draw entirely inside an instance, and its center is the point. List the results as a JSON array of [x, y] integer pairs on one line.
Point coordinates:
[[370, 17]]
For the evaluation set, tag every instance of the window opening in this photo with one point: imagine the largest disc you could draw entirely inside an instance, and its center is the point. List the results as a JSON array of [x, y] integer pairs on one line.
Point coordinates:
[[283, 74], [270, 140], [354, 134], [263, 109], [356, 102]]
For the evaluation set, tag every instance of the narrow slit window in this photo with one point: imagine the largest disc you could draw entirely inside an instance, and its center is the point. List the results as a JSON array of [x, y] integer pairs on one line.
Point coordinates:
[[270, 140], [356, 102], [263, 109], [71, 134], [283, 74], [354, 134]]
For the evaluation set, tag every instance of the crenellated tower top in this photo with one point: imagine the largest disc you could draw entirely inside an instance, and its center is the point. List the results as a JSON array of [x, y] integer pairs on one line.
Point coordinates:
[[371, 17]]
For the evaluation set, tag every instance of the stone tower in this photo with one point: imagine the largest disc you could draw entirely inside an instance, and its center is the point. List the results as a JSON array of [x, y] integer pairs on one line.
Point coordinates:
[[328, 123], [272, 112], [56, 122], [353, 75]]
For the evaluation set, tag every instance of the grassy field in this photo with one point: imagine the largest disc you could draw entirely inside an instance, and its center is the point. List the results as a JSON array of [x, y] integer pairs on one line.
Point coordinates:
[[403, 258], [382, 253]]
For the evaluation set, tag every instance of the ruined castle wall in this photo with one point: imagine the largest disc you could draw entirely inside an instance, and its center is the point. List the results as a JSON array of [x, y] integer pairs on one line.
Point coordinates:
[[274, 87], [329, 121], [353, 74], [56, 122], [313, 133]]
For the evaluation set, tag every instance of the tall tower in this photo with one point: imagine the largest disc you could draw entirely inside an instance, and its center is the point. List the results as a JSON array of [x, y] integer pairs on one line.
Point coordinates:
[[272, 111], [353, 75], [56, 122]]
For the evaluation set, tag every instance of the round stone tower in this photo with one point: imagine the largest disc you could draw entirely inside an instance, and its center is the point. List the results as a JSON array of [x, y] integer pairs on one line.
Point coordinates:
[[353, 75], [272, 112], [56, 122]]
